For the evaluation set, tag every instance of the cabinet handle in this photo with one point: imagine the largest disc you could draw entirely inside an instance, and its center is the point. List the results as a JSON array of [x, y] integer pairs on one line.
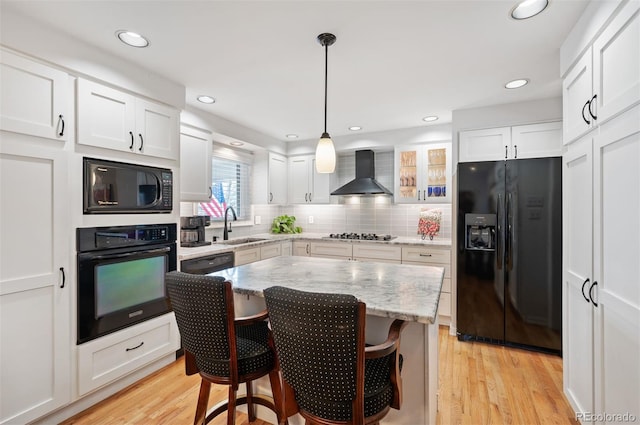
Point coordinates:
[[305, 197], [270, 196], [210, 192], [61, 120], [583, 117], [424, 194], [309, 196], [307, 249], [131, 145], [591, 293], [506, 151], [595, 96], [64, 278], [583, 285], [426, 255], [418, 195], [141, 142], [136, 347], [515, 147]]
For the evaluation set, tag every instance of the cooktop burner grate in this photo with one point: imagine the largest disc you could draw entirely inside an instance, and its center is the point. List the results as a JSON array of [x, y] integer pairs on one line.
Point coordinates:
[[361, 236]]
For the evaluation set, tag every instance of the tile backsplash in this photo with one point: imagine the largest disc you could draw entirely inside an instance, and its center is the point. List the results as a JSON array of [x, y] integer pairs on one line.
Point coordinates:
[[358, 214]]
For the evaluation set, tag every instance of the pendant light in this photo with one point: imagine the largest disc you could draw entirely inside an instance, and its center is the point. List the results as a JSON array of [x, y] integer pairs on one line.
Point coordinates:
[[325, 152]]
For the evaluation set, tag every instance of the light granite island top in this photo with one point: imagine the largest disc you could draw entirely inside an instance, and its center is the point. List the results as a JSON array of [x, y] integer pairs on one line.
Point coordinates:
[[389, 290]]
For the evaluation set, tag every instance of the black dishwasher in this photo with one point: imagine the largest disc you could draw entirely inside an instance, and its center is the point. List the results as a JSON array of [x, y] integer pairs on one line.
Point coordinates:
[[208, 264]]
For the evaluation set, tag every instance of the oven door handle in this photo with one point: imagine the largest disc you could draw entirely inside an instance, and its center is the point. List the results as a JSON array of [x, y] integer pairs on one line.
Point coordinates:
[[130, 254]]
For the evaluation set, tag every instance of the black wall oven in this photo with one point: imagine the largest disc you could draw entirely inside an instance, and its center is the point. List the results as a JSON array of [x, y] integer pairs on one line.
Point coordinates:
[[121, 276]]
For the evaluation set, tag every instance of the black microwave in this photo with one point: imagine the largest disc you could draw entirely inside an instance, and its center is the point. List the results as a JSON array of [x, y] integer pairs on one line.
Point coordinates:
[[118, 187]]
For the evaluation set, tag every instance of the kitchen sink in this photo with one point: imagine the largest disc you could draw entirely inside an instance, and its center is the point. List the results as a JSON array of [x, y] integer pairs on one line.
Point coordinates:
[[240, 241]]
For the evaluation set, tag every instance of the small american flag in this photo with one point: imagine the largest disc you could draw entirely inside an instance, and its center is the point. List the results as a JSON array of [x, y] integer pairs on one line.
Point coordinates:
[[217, 205]]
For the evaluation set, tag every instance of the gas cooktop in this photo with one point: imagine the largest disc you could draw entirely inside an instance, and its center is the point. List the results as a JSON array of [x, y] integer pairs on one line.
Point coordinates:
[[360, 236]]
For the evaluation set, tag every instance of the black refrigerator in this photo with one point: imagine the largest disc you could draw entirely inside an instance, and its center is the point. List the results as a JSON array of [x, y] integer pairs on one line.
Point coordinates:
[[509, 250]]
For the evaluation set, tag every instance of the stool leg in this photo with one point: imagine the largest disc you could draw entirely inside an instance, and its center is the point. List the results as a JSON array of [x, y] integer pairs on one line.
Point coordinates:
[[203, 401], [251, 409], [231, 410], [276, 391]]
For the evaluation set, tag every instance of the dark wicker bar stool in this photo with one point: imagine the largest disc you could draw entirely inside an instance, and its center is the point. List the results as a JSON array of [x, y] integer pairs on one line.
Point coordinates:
[[221, 348], [329, 376]]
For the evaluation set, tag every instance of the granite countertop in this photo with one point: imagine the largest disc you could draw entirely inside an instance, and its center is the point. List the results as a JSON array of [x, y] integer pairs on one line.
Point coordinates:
[[389, 290], [219, 247]]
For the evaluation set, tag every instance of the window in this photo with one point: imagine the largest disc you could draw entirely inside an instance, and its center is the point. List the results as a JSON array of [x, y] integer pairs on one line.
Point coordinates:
[[230, 185]]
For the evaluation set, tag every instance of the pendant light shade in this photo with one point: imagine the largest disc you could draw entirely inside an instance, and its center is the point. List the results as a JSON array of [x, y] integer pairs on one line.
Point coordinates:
[[325, 152]]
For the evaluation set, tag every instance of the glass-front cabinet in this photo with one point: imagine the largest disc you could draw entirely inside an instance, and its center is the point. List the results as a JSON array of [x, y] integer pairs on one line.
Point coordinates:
[[423, 173]]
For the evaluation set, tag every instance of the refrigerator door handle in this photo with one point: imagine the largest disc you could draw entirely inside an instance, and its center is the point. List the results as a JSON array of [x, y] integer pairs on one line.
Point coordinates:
[[499, 231], [509, 234]]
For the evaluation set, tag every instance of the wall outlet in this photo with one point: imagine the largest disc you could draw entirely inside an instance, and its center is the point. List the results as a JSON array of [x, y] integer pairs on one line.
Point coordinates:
[[310, 219], [257, 219]]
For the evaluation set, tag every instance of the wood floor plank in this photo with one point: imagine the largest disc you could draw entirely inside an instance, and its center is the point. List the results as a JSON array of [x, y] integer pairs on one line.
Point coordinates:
[[478, 384]]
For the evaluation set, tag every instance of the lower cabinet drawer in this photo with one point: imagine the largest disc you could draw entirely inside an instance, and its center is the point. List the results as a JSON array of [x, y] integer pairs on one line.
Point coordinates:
[[112, 356], [380, 251], [331, 249], [247, 256], [270, 251], [425, 255]]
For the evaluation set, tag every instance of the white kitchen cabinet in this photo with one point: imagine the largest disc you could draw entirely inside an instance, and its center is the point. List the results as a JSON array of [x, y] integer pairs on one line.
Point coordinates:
[[376, 252], [195, 164], [484, 145], [34, 98], [269, 178], [517, 142], [112, 119], [616, 270], [246, 256], [605, 80], [423, 173], [577, 310], [301, 248], [437, 257], [337, 250], [113, 356], [277, 179], [306, 186], [36, 280], [601, 326], [286, 248], [270, 251]]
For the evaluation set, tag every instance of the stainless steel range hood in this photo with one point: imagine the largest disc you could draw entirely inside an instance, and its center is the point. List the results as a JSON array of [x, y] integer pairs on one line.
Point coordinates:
[[365, 182]]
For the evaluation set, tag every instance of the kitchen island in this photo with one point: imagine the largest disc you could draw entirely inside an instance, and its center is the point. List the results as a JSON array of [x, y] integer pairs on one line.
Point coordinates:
[[389, 291]]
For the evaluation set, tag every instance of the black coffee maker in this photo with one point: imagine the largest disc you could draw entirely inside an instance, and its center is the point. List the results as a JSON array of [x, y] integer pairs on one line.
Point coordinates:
[[192, 230]]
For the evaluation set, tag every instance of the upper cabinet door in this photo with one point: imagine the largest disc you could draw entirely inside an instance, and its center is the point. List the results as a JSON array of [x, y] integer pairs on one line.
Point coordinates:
[[195, 165], [576, 94], [299, 180], [491, 144], [616, 63], [319, 185], [112, 119], [106, 117], [34, 98], [156, 129], [536, 140], [277, 179]]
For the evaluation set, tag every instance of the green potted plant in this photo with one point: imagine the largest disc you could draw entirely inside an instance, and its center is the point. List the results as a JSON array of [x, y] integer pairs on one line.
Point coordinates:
[[285, 224]]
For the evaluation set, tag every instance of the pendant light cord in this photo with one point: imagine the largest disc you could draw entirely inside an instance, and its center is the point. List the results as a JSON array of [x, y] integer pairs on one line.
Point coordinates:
[[326, 67]]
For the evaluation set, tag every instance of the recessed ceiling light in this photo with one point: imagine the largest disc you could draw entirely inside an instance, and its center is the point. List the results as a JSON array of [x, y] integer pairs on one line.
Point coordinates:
[[528, 8], [355, 128], [206, 99], [515, 84], [291, 136], [430, 118], [132, 39], [236, 143]]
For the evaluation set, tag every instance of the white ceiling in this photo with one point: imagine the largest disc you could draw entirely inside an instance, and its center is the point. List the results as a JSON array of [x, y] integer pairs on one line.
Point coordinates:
[[393, 63]]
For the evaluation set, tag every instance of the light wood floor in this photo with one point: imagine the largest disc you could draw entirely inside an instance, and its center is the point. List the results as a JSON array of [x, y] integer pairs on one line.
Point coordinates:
[[479, 384]]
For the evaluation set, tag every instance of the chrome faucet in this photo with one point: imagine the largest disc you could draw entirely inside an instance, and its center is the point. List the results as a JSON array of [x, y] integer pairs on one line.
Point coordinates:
[[225, 234]]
